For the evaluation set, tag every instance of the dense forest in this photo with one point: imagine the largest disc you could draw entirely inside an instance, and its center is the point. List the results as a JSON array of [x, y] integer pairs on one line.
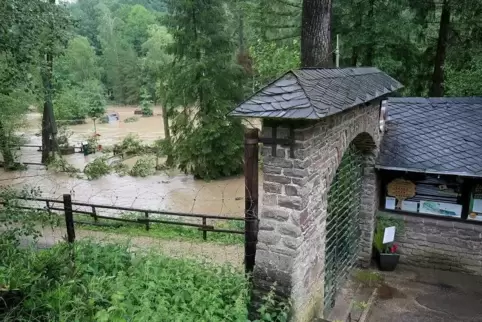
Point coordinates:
[[72, 59]]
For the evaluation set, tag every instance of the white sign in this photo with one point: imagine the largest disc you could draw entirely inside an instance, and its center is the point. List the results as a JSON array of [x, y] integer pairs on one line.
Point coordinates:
[[477, 207], [390, 203], [440, 208], [411, 206], [389, 235]]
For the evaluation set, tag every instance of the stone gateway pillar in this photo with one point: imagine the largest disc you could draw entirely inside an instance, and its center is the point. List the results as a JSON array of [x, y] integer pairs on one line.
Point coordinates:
[[319, 113]]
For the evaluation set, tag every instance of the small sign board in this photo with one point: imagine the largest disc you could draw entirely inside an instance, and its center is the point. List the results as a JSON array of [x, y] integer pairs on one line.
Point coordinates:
[[389, 235]]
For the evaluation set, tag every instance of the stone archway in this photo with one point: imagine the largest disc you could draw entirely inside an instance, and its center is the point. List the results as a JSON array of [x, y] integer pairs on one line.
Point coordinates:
[[343, 234], [293, 217]]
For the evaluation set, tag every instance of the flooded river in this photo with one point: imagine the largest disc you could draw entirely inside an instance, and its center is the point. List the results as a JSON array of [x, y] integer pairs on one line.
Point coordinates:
[[164, 191]]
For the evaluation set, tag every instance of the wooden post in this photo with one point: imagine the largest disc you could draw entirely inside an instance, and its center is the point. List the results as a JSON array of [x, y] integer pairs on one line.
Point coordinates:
[[94, 213], [69, 218], [205, 233], [146, 214], [251, 140]]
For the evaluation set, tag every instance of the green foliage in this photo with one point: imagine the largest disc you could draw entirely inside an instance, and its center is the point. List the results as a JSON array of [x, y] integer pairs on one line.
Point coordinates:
[[121, 169], [131, 119], [59, 164], [70, 106], [272, 59], [16, 223], [79, 63], [205, 77], [97, 168], [146, 103], [131, 144], [384, 221], [144, 166], [137, 21], [168, 232], [157, 62], [272, 309], [94, 95], [104, 282]]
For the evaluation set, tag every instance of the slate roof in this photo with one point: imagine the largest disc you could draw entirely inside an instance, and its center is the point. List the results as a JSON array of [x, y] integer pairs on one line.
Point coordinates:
[[433, 135], [314, 93]]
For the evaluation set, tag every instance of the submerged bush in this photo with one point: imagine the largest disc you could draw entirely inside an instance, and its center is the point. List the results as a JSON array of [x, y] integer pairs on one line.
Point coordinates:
[[97, 168], [144, 167]]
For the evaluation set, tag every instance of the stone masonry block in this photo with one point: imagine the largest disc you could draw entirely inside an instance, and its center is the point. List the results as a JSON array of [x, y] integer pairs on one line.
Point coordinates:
[[290, 202], [272, 187], [269, 237], [277, 179], [275, 213], [290, 230]]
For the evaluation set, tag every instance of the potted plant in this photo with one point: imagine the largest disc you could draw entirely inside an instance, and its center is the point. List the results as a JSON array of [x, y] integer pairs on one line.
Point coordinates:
[[386, 254]]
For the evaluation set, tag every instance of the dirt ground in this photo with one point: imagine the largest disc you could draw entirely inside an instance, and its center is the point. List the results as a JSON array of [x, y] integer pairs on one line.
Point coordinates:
[[426, 295]]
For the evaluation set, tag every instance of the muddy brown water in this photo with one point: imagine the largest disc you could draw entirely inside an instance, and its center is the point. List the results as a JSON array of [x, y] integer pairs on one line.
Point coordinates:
[[169, 191]]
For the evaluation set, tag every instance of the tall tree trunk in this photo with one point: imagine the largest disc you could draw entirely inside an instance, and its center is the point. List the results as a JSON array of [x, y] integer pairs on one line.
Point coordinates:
[[437, 88], [49, 128], [6, 148], [316, 34], [167, 133], [370, 49]]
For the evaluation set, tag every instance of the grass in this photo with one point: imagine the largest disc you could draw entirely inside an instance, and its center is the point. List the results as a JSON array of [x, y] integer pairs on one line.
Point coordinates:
[[87, 281], [165, 231]]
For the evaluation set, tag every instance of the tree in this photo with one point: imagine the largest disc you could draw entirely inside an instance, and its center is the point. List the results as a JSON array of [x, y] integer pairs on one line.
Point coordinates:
[[205, 82], [316, 48], [20, 25], [120, 63], [437, 88], [158, 62], [54, 35], [79, 63], [136, 26]]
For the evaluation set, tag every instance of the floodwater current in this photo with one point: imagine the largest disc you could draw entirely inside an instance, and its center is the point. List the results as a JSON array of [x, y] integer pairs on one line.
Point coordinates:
[[169, 191]]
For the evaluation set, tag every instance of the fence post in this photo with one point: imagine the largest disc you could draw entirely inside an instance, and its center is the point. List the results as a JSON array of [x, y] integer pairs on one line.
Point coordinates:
[[205, 233], [69, 218], [251, 140], [146, 214], [94, 213]]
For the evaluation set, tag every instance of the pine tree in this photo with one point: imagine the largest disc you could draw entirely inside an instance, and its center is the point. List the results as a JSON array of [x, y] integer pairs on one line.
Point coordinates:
[[205, 81]]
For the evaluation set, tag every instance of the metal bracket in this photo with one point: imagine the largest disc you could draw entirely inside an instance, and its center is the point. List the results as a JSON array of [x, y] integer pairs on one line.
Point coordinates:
[[274, 141]]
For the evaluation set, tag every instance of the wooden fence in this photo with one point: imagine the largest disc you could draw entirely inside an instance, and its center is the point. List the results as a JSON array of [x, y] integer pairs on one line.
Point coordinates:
[[67, 207]]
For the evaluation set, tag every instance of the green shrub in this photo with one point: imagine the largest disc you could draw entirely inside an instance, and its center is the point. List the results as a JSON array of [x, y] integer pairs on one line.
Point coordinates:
[[131, 119], [97, 168], [144, 167], [59, 164], [131, 144], [16, 223], [121, 169]]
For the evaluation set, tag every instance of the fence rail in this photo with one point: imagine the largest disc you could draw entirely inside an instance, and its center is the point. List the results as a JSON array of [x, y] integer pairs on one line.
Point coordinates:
[[70, 211]]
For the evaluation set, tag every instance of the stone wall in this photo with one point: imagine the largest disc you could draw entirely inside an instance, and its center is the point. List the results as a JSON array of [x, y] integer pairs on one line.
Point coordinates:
[[441, 244], [291, 239]]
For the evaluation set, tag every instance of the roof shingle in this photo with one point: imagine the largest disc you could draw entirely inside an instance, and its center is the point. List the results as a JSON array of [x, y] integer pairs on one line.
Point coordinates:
[[433, 135], [314, 93]]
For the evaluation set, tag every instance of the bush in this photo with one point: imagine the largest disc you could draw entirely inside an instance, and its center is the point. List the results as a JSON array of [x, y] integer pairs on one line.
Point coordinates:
[[59, 164], [121, 169], [70, 106], [107, 283], [131, 119], [73, 104], [16, 223], [144, 167], [131, 145], [211, 151], [97, 168]]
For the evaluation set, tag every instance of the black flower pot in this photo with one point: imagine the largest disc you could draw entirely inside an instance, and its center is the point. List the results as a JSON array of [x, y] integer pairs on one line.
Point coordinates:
[[387, 262]]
